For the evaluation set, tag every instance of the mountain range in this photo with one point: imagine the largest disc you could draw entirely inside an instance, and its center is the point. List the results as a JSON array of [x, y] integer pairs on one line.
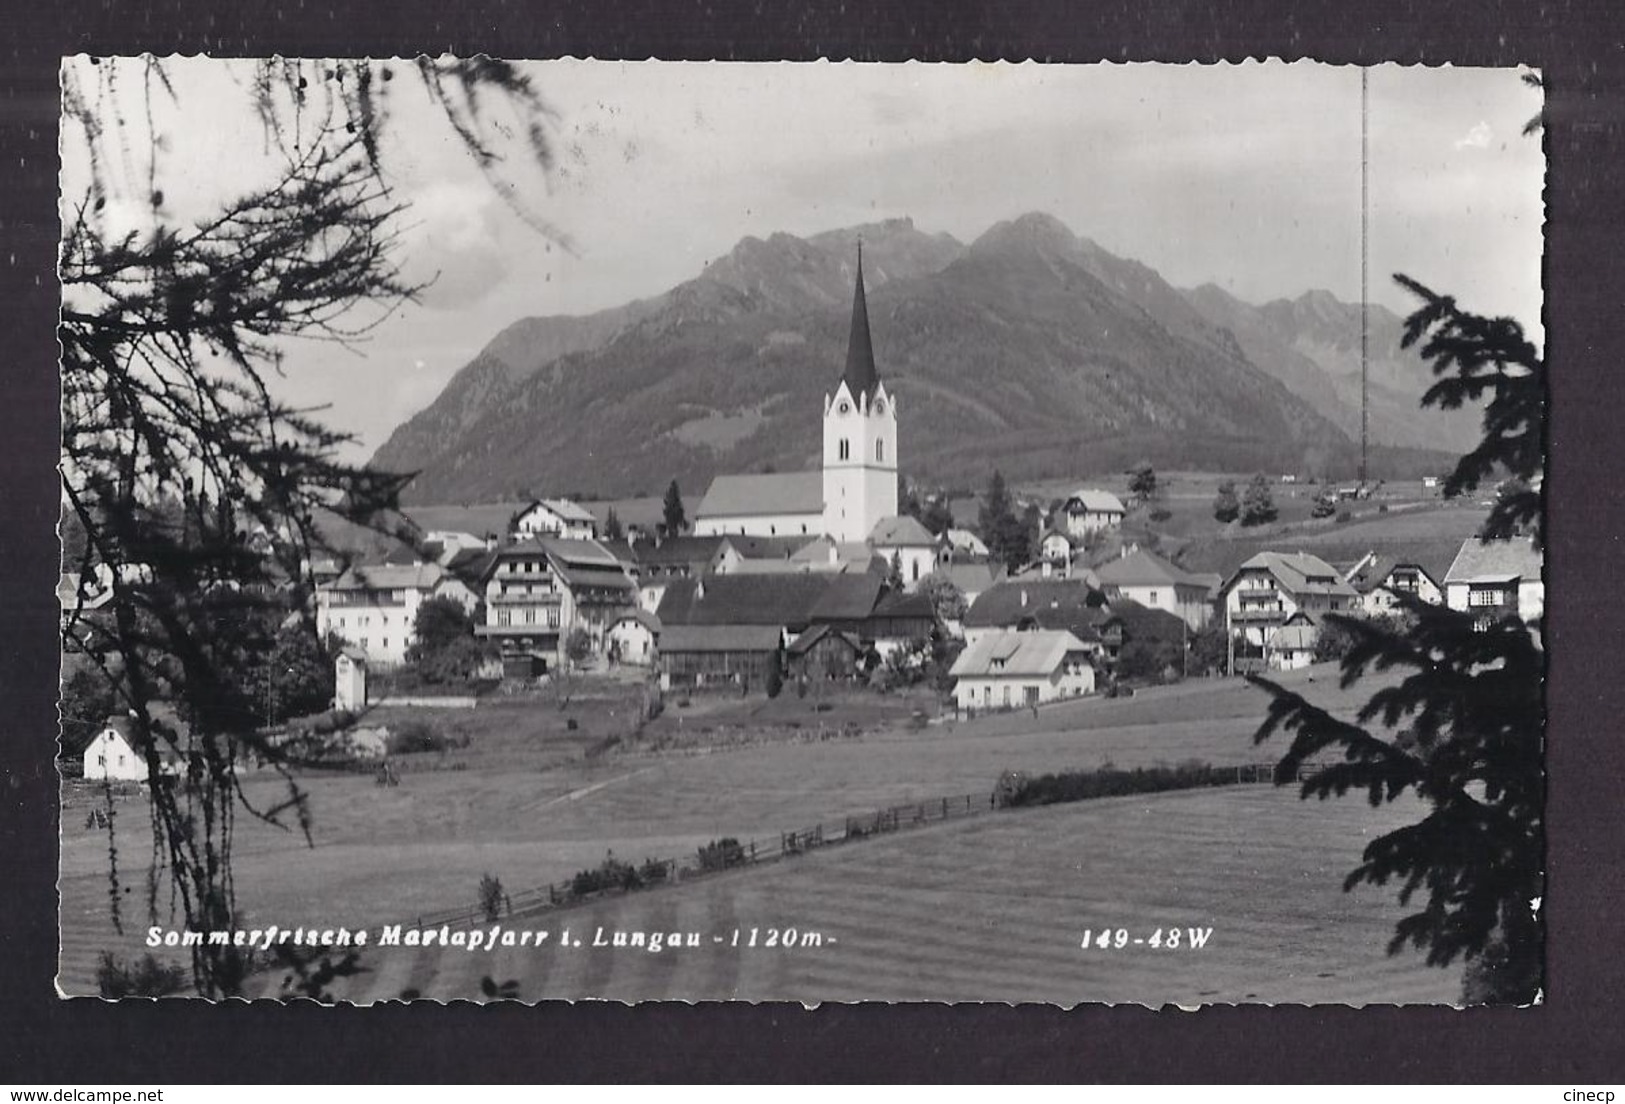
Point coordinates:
[[1031, 349]]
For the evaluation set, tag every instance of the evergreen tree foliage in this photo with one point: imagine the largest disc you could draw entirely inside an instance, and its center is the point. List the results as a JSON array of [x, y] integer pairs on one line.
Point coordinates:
[[937, 517], [613, 530], [1226, 507], [1463, 726], [1142, 481], [1257, 503], [186, 480], [673, 515], [1005, 534]]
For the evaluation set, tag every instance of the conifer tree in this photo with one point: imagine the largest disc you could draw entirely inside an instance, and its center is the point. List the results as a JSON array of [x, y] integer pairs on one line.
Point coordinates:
[[189, 484], [673, 515], [1463, 727], [1226, 507]]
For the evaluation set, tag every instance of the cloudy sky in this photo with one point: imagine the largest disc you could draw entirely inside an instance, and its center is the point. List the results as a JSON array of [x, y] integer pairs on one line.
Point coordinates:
[[1247, 176]]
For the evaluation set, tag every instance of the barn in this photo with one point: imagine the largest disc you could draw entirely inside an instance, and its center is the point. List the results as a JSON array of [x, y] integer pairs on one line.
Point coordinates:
[[712, 655], [824, 652]]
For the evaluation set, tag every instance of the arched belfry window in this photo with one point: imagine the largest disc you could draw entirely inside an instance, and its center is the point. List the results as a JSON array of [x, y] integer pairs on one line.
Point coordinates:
[[846, 449], [880, 451]]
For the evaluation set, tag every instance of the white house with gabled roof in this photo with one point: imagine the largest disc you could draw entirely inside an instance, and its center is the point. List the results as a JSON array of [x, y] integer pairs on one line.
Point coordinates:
[[555, 517], [1087, 511], [1495, 578], [1010, 669]]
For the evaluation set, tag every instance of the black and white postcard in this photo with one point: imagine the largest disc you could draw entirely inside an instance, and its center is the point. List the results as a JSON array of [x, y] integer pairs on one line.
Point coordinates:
[[814, 532]]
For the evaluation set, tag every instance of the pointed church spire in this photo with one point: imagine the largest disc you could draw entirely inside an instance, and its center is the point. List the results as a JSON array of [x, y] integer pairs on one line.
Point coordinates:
[[860, 375]]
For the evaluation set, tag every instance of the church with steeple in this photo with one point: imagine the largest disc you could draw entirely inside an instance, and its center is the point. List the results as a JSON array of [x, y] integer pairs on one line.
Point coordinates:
[[854, 491]]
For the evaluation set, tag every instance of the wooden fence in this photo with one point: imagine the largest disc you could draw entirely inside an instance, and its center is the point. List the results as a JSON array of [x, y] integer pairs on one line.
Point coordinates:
[[742, 854]]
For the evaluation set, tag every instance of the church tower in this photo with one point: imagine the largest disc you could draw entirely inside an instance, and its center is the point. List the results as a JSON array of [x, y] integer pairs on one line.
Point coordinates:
[[860, 437]]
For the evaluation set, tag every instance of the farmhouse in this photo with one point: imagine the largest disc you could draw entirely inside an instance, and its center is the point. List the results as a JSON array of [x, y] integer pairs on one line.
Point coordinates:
[[1270, 587], [1496, 579], [1014, 669], [1154, 582], [1088, 511], [1381, 580], [375, 606], [1124, 621], [554, 517]]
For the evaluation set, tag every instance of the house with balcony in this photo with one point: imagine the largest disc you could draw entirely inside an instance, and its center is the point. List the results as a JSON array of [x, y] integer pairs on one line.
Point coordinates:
[[1268, 589], [375, 606], [1496, 579], [1087, 511], [539, 590], [554, 517]]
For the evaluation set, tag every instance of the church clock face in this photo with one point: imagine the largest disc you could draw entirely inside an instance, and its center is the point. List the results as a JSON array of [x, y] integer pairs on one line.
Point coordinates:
[[880, 406], [845, 407]]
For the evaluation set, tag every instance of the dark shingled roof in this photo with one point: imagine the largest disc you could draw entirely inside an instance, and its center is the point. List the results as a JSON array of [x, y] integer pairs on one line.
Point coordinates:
[[860, 376], [1001, 605], [1143, 622], [719, 638], [778, 600]]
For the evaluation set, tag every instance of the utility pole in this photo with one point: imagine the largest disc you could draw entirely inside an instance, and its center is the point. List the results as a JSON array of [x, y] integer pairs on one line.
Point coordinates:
[[1365, 209]]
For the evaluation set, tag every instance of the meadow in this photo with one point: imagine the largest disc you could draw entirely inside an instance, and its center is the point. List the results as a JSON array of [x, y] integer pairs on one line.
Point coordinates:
[[536, 809], [995, 909]]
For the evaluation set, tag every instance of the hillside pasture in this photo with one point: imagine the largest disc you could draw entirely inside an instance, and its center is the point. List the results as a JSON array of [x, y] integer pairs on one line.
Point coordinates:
[[994, 909]]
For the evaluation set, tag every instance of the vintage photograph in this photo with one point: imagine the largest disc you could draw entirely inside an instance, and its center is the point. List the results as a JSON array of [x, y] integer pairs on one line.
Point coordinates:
[[815, 532]]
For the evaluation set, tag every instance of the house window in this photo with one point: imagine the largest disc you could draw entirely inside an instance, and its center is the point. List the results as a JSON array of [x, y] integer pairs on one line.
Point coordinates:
[[1006, 695], [101, 760], [1484, 598], [504, 616], [1153, 596], [845, 449], [553, 618], [1032, 695]]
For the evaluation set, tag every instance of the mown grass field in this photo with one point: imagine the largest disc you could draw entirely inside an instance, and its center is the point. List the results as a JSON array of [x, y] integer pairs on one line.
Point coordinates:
[[391, 853], [994, 909]]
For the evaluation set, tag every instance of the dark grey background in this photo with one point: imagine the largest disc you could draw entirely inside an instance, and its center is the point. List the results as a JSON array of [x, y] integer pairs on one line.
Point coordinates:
[[1572, 1039]]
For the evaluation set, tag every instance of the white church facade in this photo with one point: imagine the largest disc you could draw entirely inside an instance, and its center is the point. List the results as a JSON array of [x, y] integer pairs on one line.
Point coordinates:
[[856, 488]]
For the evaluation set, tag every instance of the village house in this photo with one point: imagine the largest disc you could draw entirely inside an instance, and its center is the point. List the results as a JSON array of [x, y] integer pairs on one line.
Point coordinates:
[[1496, 579], [909, 543], [1293, 644], [898, 621], [963, 544], [538, 591], [1123, 621], [1056, 550], [1269, 588], [1020, 669], [1014, 603], [1152, 581], [1089, 511], [1382, 580], [554, 517], [375, 606], [114, 753], [633, 638]]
